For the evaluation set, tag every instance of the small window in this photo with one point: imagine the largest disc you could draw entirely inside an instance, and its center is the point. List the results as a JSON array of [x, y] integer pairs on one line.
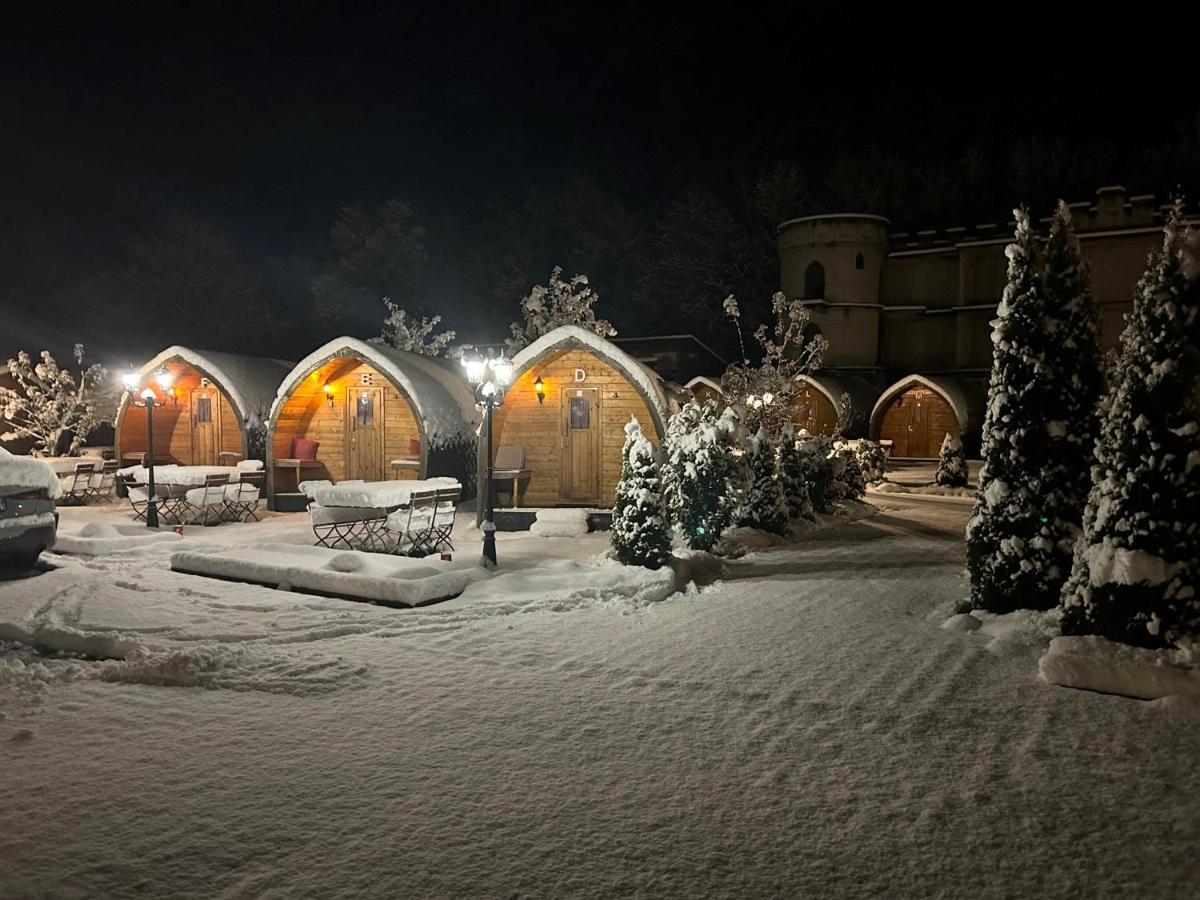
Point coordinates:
[[364, 410], [365, 377], [859, 262], [580, 412], [203, 409], [814, 281]]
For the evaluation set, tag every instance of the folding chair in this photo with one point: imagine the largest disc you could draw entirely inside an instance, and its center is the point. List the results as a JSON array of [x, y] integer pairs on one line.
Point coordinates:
[[410, 528], [443, 518], [76, 485], [206, 505], [139, 497], [348, 527], [101, 484], [241, 497]]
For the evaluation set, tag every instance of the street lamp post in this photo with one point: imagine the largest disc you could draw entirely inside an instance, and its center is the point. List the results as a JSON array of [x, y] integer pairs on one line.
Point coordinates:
[[489, 377], [149, 401]]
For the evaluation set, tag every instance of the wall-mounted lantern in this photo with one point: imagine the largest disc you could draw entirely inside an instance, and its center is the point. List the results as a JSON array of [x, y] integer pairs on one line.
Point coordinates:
[[328, 389], [539, 388]]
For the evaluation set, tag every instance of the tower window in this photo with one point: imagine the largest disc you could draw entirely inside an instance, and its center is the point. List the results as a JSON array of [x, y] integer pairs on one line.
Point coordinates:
[[859, 262], [814, 281]]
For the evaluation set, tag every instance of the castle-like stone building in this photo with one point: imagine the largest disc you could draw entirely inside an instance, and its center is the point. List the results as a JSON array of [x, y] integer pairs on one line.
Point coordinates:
[[907, 314]]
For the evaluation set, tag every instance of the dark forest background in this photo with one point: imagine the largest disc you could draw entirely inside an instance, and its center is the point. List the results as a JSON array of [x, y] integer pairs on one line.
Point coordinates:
[[255, 178]]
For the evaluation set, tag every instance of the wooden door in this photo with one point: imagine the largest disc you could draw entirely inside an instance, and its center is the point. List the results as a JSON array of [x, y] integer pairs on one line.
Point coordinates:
[[206, 426], [364, 433], [580, 416]]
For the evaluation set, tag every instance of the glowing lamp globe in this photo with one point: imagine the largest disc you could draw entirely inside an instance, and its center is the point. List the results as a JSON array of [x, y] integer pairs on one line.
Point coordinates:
[[164, 378], [474, 365], [130, 380], [148, 395], [502, 369]]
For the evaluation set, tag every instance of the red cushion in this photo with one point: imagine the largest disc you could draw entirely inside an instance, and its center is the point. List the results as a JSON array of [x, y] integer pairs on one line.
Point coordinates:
[[303, 448], [414, 447]]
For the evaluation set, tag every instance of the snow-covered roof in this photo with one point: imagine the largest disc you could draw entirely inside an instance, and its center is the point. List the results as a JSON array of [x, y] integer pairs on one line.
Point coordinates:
[[250, 382], [705, 381], [862, 393], [648, 383], [442, 400], [963, 399]]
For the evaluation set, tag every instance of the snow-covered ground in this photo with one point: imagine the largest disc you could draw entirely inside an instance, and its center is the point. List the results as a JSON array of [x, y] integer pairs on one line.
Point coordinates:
[[802, 727]]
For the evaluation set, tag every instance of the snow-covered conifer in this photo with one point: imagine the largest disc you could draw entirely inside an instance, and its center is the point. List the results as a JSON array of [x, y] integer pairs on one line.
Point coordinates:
[[1137, 566], [560, 302], [52, 405], [817, 454], [952, 463], [700, 474], [849, 482], [793, 475], [763, 505], [1020, 537], [639, 526], [415, 336]]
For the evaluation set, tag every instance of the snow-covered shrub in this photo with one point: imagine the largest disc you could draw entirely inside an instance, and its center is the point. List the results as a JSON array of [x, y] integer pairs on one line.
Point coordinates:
[[701, 478], [952, 463], [849, 482], [767, 392], [555, 304], [1026, 518], [415, 336], [818, 457], [793, 476], [53, 406], [763, 505], [1137, 566], [639, 527], [872, 459]]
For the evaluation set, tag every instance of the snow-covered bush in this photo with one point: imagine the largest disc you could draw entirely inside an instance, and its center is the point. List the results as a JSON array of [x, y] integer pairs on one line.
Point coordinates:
[[415, 336], [768, 392], [1026, 518], [701, 478], [52, 405], [763, 505], [818, 457], [793, 476], [639, 527], [952, 463], [872, 459], [849, 483], [1137, 566], [558, 303]]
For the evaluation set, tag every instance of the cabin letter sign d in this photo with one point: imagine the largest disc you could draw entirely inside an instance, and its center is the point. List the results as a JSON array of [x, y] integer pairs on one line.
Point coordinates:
[[580, 375]]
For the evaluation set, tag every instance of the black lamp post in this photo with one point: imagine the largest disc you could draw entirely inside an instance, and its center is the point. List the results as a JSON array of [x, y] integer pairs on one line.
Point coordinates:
[[490, 377], [149, 401]]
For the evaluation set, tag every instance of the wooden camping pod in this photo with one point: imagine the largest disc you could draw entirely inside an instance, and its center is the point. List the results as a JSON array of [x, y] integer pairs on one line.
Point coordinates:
[[915, 418]]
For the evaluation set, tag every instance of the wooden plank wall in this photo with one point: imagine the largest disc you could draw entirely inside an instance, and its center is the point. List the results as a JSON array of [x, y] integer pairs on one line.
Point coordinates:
[[173, 422], [814, 412], [522, 422], [307, 413]]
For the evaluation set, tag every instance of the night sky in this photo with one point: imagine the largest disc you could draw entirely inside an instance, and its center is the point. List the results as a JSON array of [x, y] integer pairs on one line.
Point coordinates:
[[266, 121]]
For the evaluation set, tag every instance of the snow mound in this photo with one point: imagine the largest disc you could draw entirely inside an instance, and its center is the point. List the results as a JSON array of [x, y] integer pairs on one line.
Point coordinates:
[[1095, 663], [102, 538], [933, 490], [560, 523], [962, 622], [737, 542], [27, 472], [1022, 632], [355, 575]]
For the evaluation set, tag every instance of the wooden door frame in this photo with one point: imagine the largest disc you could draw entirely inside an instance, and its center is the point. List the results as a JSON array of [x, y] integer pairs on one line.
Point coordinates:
[[596, 428], [380, 425], [216, 421]]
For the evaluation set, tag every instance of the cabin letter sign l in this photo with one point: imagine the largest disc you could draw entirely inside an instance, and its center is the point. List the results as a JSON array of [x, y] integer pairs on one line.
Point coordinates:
[[580, 375]]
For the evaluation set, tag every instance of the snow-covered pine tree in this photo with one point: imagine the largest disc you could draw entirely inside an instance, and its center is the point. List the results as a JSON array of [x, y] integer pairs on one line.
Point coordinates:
[[413, 335], [639, 527], [952, 463], [793, 475], [849, 481], [559, 302], [1137, 566], [763, 504], [52, 405], [817, 452], [700, 475], [1020, 536]]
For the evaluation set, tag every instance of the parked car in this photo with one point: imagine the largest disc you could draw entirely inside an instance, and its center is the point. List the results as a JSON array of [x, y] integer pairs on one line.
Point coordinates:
[[28, 520]]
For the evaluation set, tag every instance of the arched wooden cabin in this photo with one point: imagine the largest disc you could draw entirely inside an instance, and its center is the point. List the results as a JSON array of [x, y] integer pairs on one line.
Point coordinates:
[[917, 412], [375, 413], [704, 388], [212, 400], [573, 436], [820, 397]]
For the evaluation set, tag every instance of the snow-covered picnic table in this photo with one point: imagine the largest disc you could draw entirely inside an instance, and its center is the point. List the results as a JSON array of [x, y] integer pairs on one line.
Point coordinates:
[[378, 494], [65, 465], [189, 476]]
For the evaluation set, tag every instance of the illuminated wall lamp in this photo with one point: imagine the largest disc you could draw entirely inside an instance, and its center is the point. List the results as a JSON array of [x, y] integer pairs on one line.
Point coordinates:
[[539, 388], [328, 389]]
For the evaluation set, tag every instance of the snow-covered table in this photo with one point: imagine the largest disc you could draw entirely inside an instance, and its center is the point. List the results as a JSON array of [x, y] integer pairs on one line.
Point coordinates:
[[189, 476], [65, 465], [378, 494]]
